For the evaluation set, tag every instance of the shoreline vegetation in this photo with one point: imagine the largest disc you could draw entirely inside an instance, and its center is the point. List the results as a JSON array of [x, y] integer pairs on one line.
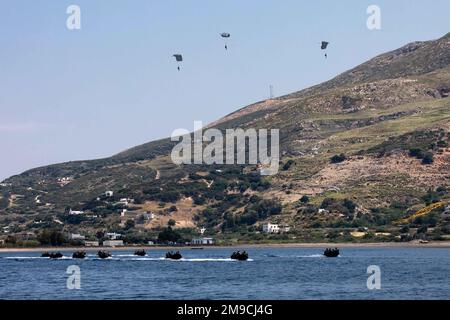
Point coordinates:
[[432, 244]]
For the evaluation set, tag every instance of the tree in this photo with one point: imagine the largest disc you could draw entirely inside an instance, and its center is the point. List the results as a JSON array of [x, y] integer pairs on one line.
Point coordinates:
[[169, 235], [199, 200], [171, 223], [338, 158], [129, 224], [327, 202], [428, 158], [350, 205], [422, 229], [416, 152], [11, 239], [404, 229], [229, 221], [4, 203], [249, 218], [51, 237], [304, 199], [288, 164]]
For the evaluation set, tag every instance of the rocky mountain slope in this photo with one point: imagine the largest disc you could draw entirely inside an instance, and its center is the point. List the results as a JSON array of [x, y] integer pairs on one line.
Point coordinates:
[[366, 148]]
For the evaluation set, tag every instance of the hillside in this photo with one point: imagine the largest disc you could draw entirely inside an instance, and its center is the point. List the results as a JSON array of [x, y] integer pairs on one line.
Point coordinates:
[[367, 148]]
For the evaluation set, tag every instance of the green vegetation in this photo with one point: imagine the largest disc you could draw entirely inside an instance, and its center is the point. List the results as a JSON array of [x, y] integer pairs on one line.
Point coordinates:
[[304, 199], [52, 237], [338, 158], [369, 120], [428, 158]]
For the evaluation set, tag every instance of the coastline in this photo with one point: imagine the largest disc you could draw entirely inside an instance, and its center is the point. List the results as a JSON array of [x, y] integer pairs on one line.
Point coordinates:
[[435, 245]]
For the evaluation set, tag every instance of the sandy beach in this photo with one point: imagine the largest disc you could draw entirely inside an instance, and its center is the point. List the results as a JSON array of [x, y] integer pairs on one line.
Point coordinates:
[[437, 244]]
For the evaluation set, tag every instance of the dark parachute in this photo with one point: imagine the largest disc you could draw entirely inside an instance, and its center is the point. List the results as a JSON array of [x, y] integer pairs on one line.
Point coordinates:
[[225, 36], [178, 58], [324, 46]]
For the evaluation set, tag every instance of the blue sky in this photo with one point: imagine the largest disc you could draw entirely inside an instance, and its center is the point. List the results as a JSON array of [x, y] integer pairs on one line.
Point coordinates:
[[90, 93]]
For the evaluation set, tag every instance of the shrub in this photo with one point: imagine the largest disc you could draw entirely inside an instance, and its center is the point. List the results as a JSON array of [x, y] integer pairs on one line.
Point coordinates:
[[338, 158], [288, 165], [129, 224], [428, 158], [350, 205], [168, 235], [404, 229], [417, 153], [51, 237], [422, 229], [304, 199], [4, 203]]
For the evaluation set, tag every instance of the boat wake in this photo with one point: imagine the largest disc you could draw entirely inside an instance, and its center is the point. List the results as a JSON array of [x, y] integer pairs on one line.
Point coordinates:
[[209, 259], [125, 255], [130, 257], [25, 258], [33, 258], [317, 255], [145, 259]]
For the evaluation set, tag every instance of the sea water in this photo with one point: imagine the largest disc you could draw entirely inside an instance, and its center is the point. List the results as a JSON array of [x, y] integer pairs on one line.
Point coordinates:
[[270, 273]]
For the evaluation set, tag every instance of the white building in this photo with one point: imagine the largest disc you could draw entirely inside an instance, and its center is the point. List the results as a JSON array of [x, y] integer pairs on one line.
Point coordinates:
[[64, 181], [91, 244], [126, 200], [202, 241], [113, 235], [271, 228], [109, 194], [75, 213], [77, 236], [149, 216], [113, 243]]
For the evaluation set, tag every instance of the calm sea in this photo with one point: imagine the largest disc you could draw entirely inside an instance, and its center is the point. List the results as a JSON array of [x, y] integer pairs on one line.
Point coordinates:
[[271, 273]]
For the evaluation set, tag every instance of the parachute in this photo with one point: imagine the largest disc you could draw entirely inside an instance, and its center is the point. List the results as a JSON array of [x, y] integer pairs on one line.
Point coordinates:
[[324, 46], [225, 36], [178, 58]]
